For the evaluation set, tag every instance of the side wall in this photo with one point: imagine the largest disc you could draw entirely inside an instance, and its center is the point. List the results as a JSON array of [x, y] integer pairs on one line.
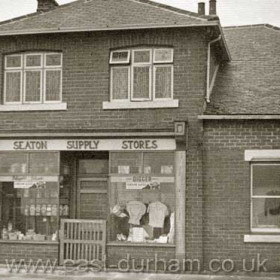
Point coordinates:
[[226, 180]]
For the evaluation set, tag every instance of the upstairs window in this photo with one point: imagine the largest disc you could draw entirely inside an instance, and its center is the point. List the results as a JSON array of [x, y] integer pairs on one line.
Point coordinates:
[[33, 78], [139, 75]]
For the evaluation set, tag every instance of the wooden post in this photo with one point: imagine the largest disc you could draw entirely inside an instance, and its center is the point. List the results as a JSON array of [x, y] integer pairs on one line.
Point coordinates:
[[180, 182]]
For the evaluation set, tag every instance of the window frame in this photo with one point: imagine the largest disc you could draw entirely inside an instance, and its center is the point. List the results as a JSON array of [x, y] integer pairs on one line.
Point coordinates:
[[152, 64], [111, 83], [43, 68], [172, 81], [120, 62], [252, 197]]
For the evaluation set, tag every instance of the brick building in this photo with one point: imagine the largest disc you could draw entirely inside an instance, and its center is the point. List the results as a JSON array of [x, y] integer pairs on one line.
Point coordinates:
[[131, 127]]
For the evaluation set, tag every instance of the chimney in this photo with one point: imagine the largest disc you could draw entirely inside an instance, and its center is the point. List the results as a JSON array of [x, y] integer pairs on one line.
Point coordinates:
[[46, 5], [212, 8], [201, 8]]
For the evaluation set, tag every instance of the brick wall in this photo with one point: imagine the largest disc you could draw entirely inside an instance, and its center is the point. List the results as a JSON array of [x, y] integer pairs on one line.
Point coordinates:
[[86, 86], [116, 255], [226, 186], [86, 79], [26, 251]]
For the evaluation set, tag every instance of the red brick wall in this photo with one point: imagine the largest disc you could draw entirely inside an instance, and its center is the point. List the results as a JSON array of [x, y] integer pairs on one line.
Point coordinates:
[[226, 187]]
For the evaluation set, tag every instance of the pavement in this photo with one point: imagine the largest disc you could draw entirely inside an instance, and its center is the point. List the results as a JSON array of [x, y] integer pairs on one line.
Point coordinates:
[[60, 275]]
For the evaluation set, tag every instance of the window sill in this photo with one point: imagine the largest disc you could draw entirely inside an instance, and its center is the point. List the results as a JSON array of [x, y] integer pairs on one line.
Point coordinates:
[[29, 242], [253, 238], [139, 244], [33, 107], [114, 105]]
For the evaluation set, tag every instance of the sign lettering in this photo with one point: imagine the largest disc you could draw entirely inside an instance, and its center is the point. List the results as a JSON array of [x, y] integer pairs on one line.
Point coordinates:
[[88, 145]]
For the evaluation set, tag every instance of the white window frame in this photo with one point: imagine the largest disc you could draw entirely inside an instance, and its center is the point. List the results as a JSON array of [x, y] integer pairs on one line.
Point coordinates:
[[5, 83], [43, 70], [120, 62], [154, 83], [24, 88], [33, 67], [163, 61], [45, 87], [152, 67], [264, 230], [111, 83], [13, 68], [132, 82]]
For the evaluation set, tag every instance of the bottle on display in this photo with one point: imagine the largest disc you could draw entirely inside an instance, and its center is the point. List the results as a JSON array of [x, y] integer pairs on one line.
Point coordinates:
[[4, 233]]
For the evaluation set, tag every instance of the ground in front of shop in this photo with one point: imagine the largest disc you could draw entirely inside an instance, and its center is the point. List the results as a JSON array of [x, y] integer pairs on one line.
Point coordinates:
[[59, 275]]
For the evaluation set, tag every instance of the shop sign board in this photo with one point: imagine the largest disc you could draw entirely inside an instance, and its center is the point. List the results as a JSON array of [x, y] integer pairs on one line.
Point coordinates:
[[146, 144]]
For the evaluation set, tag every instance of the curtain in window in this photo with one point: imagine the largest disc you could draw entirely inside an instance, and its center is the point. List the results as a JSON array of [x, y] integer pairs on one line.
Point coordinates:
[[32, 86], [13, 83], [163, 81], [53, 83], [120, 83], [141, 82]]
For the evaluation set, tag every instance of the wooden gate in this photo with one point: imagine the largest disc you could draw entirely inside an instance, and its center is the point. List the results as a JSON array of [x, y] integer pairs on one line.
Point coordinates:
[[82, 240]]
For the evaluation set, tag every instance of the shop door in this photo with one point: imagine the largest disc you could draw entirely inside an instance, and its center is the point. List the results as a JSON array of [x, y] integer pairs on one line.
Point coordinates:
[[92, 198]]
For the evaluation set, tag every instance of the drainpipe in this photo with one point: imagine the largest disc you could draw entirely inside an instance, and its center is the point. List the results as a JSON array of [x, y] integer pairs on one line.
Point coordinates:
[[208, 67]]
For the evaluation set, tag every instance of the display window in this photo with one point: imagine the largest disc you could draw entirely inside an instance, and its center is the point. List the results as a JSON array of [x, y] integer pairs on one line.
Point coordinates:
[[142, 197], [29, 196]]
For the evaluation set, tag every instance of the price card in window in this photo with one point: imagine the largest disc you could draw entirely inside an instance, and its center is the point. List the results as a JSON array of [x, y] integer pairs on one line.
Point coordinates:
[[23, 185]]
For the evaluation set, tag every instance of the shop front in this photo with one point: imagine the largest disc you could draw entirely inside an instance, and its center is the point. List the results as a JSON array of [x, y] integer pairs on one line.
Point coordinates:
[[86, 198]]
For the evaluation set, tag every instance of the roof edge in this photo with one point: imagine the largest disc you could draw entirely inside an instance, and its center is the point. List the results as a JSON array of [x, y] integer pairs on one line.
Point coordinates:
[[267, 25], [72, 30], [239, 117]]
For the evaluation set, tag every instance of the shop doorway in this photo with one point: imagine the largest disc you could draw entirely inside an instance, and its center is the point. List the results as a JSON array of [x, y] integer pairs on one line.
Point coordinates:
[[92, 189], [92, 198]]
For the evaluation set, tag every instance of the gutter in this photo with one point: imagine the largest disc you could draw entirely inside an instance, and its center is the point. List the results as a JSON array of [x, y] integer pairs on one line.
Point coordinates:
[[88, 29]]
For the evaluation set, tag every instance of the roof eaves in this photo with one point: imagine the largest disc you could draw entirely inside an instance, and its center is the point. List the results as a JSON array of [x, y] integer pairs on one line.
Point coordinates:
[[106, 28]]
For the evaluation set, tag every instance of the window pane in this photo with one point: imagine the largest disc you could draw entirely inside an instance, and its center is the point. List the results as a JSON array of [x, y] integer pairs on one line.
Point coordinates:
[[141, 82], [163, 55], [266, 213], [13, 85], [126, 163], [13, 163], [32, 86], [53, 59], [33, 60], [266, 179], [53, 85], [44, 163], [120, 57], [142, 56], [13, 61], [29, 213], [120, 83], [159, 163], [163, 81]]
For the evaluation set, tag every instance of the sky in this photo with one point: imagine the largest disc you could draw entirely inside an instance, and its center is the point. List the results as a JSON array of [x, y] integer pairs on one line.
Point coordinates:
[[231, 12]]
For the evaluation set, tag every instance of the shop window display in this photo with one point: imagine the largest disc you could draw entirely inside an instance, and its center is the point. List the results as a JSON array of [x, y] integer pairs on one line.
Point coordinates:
[[29, 196], [142, 197]]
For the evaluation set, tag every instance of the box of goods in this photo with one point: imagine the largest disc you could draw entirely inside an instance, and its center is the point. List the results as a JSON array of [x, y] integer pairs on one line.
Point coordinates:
[[13, 236], [39, 237]]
